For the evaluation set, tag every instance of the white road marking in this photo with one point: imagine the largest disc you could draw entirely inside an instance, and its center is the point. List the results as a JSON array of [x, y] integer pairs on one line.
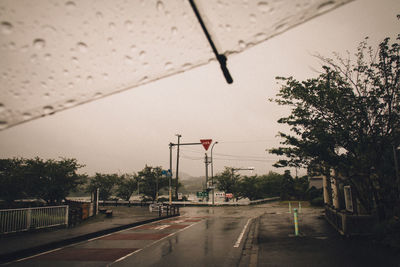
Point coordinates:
[[237, 244], [137, 251], [161, 227]]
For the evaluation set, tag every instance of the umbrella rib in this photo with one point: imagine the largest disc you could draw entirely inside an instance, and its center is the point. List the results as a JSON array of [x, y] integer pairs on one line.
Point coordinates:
[[220, 57]]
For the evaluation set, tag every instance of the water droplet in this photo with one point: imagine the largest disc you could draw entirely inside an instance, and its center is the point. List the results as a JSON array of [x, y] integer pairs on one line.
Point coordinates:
[[99, 15], [89, 79], [142, 54], [6, 27], [253, 18], [112, 26], [98, 95], [105, 76], [168, 66], [70, 103], [128, 25], [325, 6], [160, 6], [34, 58], [174, 30], [261, 37], [75, 60], [82, 47], [70, 5], [133, 48], [128, 60], [2, 107], [24, 49], [39, 43], [47, 57], [110, 41], [11, 46], [3, 124], [242, 44], [26, 116], [47, 110], [66, 72], [228, 28], [263, 7]]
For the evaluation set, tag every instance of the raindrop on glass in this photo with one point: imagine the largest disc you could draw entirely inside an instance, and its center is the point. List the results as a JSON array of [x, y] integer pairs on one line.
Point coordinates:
[[142, 54], [6, 27], [39, 43], [253, 18], [242, 44], [112, 26], [47, 57], [70, 5], [325, 6], [70, 103], [168, 66], [263, 6], [128, 60], [26, 116], [48, 110], [174, 30], [160, 6], [2, 107], [128, 25], [3, 124], [99, 15], [82, 47], [89, 79]]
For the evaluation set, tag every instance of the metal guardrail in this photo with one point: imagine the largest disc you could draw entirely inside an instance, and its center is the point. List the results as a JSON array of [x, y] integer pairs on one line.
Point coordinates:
[[17, 220]]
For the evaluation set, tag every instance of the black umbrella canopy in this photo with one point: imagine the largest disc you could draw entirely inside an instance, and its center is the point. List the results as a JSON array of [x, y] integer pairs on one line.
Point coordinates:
[[59, 54]]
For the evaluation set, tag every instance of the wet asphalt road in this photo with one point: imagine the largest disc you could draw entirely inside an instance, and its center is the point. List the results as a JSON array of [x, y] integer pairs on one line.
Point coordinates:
[[199, 237], [260, 235]]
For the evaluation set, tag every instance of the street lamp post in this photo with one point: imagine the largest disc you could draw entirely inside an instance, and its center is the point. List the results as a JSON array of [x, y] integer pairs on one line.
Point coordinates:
[[212, 172]]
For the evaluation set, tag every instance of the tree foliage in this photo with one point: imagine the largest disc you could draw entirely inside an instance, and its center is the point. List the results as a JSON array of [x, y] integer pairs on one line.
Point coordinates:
[[127, 185], [152, 181], [106, 183], [50, 180], [348, 119]]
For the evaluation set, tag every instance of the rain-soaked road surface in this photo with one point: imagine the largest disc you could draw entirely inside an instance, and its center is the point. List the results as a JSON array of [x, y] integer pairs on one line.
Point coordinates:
[[199, 237]]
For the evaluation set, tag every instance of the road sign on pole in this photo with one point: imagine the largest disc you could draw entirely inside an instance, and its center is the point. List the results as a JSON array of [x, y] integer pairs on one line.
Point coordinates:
[[206, 143]]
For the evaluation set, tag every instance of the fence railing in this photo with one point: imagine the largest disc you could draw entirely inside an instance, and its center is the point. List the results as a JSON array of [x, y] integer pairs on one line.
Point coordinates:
[[17, 220]]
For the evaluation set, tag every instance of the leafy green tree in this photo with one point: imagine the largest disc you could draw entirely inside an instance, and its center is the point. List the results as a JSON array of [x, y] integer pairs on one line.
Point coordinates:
[[152, 181], [250, 187], [106, 184], [348, 119], [52, 180], [12, 180], [228, 182], [128, 184]]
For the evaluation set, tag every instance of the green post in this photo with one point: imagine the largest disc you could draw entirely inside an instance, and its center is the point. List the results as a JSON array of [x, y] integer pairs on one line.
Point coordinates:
[[296, 224]]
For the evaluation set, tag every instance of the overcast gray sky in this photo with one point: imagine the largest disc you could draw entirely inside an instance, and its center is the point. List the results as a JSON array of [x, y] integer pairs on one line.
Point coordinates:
[[125, 131]]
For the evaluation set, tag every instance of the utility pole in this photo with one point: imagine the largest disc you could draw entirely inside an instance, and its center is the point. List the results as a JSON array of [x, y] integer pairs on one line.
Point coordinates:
[[170, 173], [206, 163], [212, 173], [177, 167]]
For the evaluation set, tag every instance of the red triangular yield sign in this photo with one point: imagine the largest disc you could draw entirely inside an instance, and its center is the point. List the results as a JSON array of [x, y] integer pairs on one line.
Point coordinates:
[[206, 143]]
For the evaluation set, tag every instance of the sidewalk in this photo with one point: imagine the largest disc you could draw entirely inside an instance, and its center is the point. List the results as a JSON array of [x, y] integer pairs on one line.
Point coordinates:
[[317, 244], [24, 244]]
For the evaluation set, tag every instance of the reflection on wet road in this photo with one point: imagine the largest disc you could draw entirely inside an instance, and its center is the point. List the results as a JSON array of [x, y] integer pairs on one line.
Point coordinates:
[[199, 237]]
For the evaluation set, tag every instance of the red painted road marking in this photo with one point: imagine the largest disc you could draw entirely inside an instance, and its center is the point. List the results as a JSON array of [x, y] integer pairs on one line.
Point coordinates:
[[192, 220], [86, 254], [135, 236]]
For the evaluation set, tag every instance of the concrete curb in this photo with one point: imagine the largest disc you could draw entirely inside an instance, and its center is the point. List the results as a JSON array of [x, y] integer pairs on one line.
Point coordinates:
[[9, 257]]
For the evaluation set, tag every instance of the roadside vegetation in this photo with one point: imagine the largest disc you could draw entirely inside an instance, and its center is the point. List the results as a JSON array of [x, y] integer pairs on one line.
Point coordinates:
[[345, 125]]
